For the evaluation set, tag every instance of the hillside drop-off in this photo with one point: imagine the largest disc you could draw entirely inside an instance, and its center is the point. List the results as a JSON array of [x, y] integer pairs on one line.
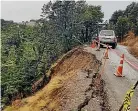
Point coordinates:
[[73, 86]]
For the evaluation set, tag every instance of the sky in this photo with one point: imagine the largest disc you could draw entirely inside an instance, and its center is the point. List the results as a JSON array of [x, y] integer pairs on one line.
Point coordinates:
[[19, 11]]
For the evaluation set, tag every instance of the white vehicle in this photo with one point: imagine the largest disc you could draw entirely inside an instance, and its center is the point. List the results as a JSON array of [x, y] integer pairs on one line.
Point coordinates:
[[108, 37]]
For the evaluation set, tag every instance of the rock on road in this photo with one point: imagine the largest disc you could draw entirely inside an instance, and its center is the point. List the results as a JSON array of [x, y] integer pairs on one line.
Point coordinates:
[[117, 87]]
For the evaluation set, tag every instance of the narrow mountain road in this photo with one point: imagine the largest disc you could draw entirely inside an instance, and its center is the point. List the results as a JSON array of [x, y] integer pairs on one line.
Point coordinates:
[[118, 86]]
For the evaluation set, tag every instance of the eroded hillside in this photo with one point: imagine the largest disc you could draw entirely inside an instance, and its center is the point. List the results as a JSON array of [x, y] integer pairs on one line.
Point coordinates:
[[72, 86]]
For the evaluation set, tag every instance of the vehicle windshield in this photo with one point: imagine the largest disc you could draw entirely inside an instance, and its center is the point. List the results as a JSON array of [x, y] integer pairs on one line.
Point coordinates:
[[106, 33]]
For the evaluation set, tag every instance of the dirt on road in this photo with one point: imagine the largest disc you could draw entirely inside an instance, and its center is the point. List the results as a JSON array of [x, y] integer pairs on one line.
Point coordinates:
[[74, 86]]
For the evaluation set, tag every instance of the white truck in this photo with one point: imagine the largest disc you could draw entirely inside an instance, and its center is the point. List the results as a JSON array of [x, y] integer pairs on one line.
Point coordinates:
[[108, 37]]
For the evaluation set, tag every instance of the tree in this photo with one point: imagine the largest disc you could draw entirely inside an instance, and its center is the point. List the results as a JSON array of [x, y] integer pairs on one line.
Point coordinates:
[[122, 26], [29, 51], [115, 16], [68, 15], [130, 15], [91, 17]]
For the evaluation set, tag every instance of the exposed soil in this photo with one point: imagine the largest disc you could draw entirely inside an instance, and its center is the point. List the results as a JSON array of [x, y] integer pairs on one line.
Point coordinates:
[[74, 85], [132, 42]]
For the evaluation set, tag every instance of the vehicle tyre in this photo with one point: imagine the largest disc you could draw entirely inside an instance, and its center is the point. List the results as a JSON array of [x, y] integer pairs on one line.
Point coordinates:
[[114, 45], [101, 46]]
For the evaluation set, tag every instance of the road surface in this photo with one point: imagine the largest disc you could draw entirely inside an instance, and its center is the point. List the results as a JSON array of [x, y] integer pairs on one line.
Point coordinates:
[[117, 87]]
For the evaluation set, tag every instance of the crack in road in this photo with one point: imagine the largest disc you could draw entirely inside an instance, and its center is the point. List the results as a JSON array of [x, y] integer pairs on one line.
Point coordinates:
[[97, 90]]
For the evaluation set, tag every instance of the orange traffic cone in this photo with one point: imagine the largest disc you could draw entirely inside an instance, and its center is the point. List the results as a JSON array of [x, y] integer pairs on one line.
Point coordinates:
[[106, 53], [93, 44], [120, 67]]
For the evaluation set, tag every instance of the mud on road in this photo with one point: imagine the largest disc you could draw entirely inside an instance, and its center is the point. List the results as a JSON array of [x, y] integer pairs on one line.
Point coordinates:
[[74, 86]]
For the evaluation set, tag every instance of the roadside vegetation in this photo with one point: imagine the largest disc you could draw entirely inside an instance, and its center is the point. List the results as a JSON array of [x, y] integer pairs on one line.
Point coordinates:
[[123, 21], [132, 42], [29, 51], [125, 24]]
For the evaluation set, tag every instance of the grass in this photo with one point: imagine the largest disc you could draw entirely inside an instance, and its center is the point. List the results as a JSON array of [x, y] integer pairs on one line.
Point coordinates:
[[48, 98]]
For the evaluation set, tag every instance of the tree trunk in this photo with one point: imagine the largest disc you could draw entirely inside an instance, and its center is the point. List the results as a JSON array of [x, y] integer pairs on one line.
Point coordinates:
[[86, 37], [82, 38]]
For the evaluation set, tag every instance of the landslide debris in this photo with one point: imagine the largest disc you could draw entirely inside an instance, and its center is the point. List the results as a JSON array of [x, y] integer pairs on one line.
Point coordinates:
[[73, 86]]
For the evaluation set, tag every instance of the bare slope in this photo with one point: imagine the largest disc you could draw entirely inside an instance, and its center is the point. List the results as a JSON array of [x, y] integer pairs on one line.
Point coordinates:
[[132, 42], [72, 86]]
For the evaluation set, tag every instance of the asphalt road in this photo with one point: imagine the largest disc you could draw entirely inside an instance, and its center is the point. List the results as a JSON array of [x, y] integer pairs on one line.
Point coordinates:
[[117, 87]]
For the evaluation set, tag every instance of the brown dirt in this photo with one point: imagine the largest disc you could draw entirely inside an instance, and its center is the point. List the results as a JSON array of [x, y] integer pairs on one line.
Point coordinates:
[[71, 87], [132, 42]]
